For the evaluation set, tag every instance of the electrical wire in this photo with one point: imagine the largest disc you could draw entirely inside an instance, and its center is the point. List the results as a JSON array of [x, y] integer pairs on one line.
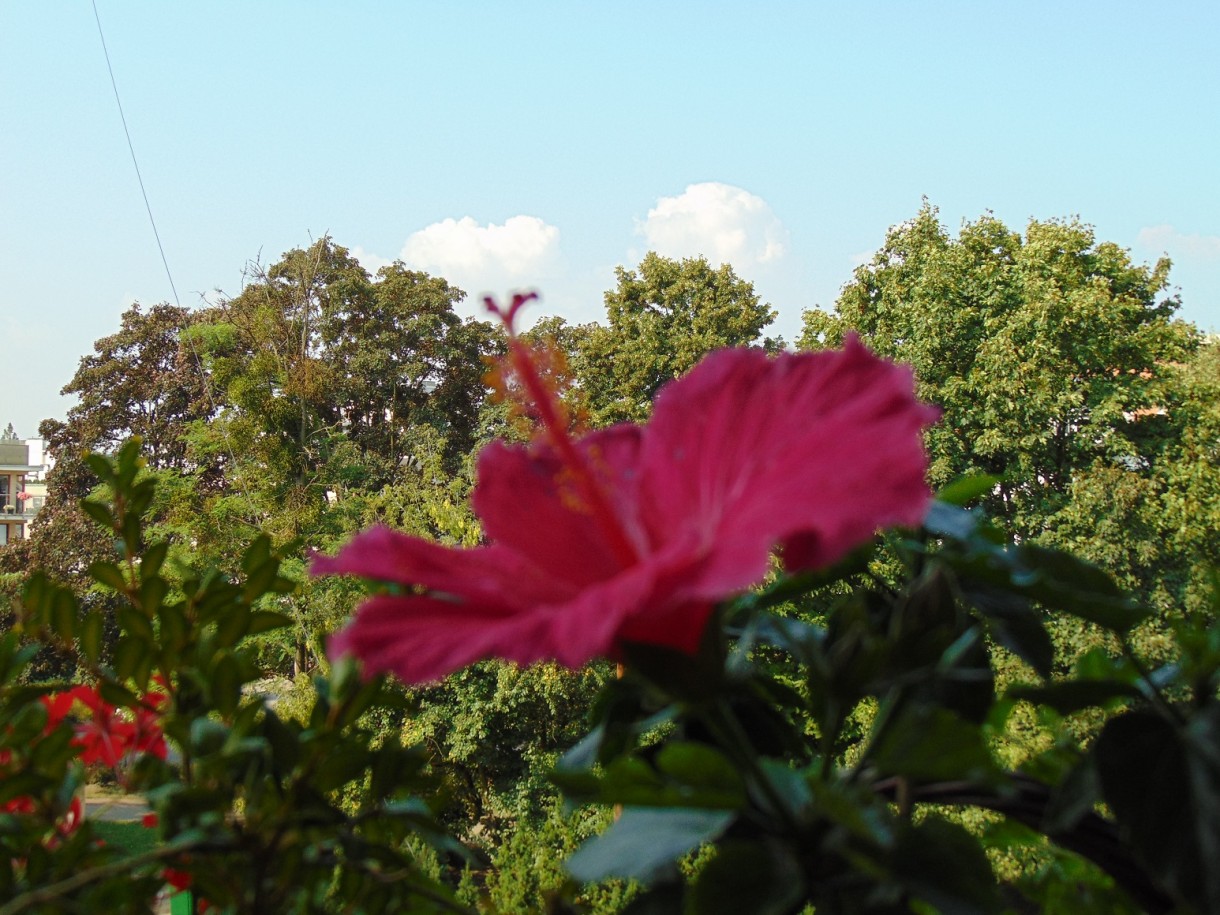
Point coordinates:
[[131, 148], [203, 375]]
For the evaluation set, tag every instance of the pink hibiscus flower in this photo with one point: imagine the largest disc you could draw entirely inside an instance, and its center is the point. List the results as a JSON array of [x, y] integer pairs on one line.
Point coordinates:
[[634, 533]]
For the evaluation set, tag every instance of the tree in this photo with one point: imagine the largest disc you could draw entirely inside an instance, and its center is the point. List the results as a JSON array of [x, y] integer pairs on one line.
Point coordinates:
[[663, 317], [1044, 351], [267, 347], [330, 377], [403, 358], [144, 380], [1155, 522]]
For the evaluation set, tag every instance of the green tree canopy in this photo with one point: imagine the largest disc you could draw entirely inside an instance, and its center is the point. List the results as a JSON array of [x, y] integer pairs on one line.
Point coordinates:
[[1044, 350], [663, 317], [330, 376]]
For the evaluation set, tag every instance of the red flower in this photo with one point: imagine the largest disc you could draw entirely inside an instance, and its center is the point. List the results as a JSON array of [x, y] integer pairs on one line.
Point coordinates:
[[633, 533], [179, 880], [104, 737]]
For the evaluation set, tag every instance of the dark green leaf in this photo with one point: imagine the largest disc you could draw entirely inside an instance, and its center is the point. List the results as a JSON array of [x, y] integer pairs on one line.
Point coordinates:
[[232, 624], [1074, 797], [266, 621], [99, 512], [109, 574], [153, 558], [135, 624], [63, 613], [802, 640], [1164, 788], [100, 466], [1069, 696], [966, 489], [758, 877], [117, 694], [226, 683], [642, 843], [698, 765], [1063, 582], [932, 744], [129, 654], [949, 521], [945, 865], [90, 635], [1014, 624]]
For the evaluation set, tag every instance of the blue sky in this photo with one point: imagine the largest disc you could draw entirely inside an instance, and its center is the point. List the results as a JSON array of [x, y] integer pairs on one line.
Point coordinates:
[[542, 144]]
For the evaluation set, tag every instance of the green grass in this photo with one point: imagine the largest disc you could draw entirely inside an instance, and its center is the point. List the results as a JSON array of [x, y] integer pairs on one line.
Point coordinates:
[[132, 837]]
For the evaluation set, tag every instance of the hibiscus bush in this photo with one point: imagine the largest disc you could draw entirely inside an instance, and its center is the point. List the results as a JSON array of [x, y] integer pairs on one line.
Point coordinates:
[[806, 714], [253, 812]]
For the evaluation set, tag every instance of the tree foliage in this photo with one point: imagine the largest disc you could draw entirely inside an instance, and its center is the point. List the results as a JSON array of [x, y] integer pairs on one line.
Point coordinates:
[[662, 318], [1045, 350], [819, 738]]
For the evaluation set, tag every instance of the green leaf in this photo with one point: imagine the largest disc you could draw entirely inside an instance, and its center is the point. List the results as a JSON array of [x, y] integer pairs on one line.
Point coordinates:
[[675, 673], [99, 512], [90, 635], [949, 521], [153, 590], [232, 624], [109, 574], [174, 628], [100, 466], [1163, 785], [135, 624], [968, 488], [257, 555], [1063, 582], [1013, 623], [129, 654], [225, 682], [261, 580], [931, 744], [266, 621], [63, 611], [790, 786], [153, 558], [760, 877], [698, 765], [644, 842], [117, 694], [802, 640], [856, 808], [1070, 696], [1076, 795], [945, 865], [632, 781]]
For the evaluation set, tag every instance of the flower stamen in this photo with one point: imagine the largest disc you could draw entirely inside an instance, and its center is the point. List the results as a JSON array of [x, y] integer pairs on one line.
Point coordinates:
[[553, 418]]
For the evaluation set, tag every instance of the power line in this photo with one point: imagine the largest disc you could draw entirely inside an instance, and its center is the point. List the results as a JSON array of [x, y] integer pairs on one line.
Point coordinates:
[[203, 375], [131, 148]]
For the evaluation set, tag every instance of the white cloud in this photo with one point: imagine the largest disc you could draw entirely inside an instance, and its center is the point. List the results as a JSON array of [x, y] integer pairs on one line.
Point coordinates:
[[368, 260], [1178, 244], [485, 257], [862, 258], [723, 223]]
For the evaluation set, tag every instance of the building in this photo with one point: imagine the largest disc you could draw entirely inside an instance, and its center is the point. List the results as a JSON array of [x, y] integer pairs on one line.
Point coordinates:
[[18, 504]]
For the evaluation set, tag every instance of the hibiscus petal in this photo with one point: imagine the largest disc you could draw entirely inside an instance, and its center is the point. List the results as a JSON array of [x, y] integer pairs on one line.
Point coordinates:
[[422, 639], [814, 452], [817, 450], [528, 501], [491, 575]]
